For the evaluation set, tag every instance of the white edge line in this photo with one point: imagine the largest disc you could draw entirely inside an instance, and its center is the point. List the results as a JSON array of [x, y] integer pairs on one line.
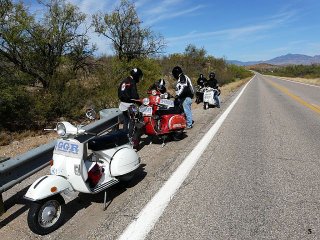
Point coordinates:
[[149, 215]]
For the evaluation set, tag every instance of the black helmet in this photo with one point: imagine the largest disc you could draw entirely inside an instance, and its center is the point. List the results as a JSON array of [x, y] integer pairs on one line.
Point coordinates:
[[161, 84], [201, 76], [212, 75], [176, 71], [136, 74]]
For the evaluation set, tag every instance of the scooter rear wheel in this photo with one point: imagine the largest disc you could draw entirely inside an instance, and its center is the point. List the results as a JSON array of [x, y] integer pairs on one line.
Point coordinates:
[[47, 215], [177, 136]]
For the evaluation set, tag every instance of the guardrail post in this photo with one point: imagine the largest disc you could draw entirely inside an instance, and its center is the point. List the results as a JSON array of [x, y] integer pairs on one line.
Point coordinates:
[[2, 210]]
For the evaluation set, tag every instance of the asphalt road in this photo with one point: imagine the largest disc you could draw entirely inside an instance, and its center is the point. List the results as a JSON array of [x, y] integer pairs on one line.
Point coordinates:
[[259, 177]]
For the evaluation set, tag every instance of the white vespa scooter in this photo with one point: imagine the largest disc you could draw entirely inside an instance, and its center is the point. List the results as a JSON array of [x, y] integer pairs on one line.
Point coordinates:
[[88, 166], [208, 97]]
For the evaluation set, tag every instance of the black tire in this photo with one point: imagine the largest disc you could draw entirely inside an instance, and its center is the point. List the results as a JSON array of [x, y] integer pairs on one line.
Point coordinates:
[[127, 177], [206, 106], [40, 219], [177, 136]]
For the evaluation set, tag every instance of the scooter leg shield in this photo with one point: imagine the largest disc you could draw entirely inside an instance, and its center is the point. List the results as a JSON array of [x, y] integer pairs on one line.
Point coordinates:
[[47, 186]]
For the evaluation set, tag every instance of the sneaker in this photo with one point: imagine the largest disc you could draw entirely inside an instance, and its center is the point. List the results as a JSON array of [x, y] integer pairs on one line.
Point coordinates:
[[189, 127]]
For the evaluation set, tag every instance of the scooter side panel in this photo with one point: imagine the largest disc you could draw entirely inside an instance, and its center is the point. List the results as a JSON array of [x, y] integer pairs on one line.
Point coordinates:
[[43, 187], [177, 122], [124, 161]]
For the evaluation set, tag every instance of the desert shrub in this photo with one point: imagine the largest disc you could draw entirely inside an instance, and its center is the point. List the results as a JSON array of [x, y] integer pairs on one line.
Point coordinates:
[[15, 108], [112, 71]]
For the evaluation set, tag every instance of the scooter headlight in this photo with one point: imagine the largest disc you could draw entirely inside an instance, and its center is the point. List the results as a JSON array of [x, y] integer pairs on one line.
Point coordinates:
[[145, 101], [61, 129], [164, 96]]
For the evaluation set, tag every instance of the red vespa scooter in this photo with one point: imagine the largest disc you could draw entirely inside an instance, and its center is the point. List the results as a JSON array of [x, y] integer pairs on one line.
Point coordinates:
[[161, 117]]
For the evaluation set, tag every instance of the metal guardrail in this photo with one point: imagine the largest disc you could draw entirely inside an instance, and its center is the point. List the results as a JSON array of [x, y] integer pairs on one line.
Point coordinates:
[[15, 170]]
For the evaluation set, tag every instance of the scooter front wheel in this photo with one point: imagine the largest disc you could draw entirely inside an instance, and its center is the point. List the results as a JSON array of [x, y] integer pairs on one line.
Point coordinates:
[[206, 106], [47, 215]]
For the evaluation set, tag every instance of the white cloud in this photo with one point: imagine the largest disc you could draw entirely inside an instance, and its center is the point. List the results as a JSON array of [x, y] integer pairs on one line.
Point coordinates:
[[249, 32], [90, 6], [168, 9]]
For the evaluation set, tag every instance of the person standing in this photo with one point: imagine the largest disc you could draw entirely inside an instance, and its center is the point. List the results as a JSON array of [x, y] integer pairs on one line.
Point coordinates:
[[159, 85], [127, 93], [184, 93]]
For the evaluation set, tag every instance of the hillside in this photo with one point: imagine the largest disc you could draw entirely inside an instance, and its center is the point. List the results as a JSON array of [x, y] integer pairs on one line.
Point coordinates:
[[287, 59]]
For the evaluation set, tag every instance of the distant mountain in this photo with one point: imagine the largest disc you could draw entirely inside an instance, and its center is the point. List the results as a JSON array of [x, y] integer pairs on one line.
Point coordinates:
[[283, 60]]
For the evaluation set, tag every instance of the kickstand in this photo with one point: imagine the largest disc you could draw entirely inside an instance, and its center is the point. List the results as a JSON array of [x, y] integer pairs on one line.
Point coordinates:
[[105, 200], [163, 140]]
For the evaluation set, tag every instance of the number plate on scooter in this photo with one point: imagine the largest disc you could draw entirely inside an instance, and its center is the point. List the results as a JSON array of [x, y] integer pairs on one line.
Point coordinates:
[[167, 102], [146, 111], [68, 149]]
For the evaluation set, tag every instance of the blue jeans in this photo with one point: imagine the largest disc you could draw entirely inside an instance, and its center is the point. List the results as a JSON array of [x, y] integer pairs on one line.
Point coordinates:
[[187, 110], [217, 98]]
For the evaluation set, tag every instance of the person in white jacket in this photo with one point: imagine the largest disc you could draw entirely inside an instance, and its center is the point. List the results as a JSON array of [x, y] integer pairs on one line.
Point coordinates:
[[184, 93]]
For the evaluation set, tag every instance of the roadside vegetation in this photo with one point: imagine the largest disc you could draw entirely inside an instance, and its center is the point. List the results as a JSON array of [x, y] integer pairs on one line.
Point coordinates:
[[296, 71], [49, 70]]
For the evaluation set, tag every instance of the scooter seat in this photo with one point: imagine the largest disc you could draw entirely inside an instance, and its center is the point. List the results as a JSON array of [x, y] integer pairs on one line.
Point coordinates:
[[108, 141], [172, 110]]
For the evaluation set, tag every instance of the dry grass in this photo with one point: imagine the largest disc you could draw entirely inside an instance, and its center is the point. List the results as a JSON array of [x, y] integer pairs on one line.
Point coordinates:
[[7, 137], [20, 143], [315, 81]]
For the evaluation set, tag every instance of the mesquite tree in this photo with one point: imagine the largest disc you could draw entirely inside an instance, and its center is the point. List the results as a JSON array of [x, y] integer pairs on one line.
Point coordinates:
[[39, 44], [129, 38]]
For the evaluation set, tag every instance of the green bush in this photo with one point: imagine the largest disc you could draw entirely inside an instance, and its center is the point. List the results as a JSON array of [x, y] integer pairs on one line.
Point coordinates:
[[30, 107], [15, 108]]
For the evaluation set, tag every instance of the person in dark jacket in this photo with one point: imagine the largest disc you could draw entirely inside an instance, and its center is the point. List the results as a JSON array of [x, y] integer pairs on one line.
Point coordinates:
[[127, 93], [184, 93], [159, 85], [213, 83], [202, 81]]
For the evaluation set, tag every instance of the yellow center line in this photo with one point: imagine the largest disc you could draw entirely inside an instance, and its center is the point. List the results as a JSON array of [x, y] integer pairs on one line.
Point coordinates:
[[313, 107], [316, 106]]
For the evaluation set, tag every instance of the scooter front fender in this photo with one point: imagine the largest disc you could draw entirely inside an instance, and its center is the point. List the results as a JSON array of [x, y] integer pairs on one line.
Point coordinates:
[[47, 186]]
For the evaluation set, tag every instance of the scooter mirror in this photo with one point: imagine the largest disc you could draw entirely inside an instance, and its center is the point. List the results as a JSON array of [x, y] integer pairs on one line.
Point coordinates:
[[91, 114]]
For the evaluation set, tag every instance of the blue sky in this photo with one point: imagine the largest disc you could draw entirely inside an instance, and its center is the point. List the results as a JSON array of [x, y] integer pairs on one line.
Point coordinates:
[[245, 30]]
